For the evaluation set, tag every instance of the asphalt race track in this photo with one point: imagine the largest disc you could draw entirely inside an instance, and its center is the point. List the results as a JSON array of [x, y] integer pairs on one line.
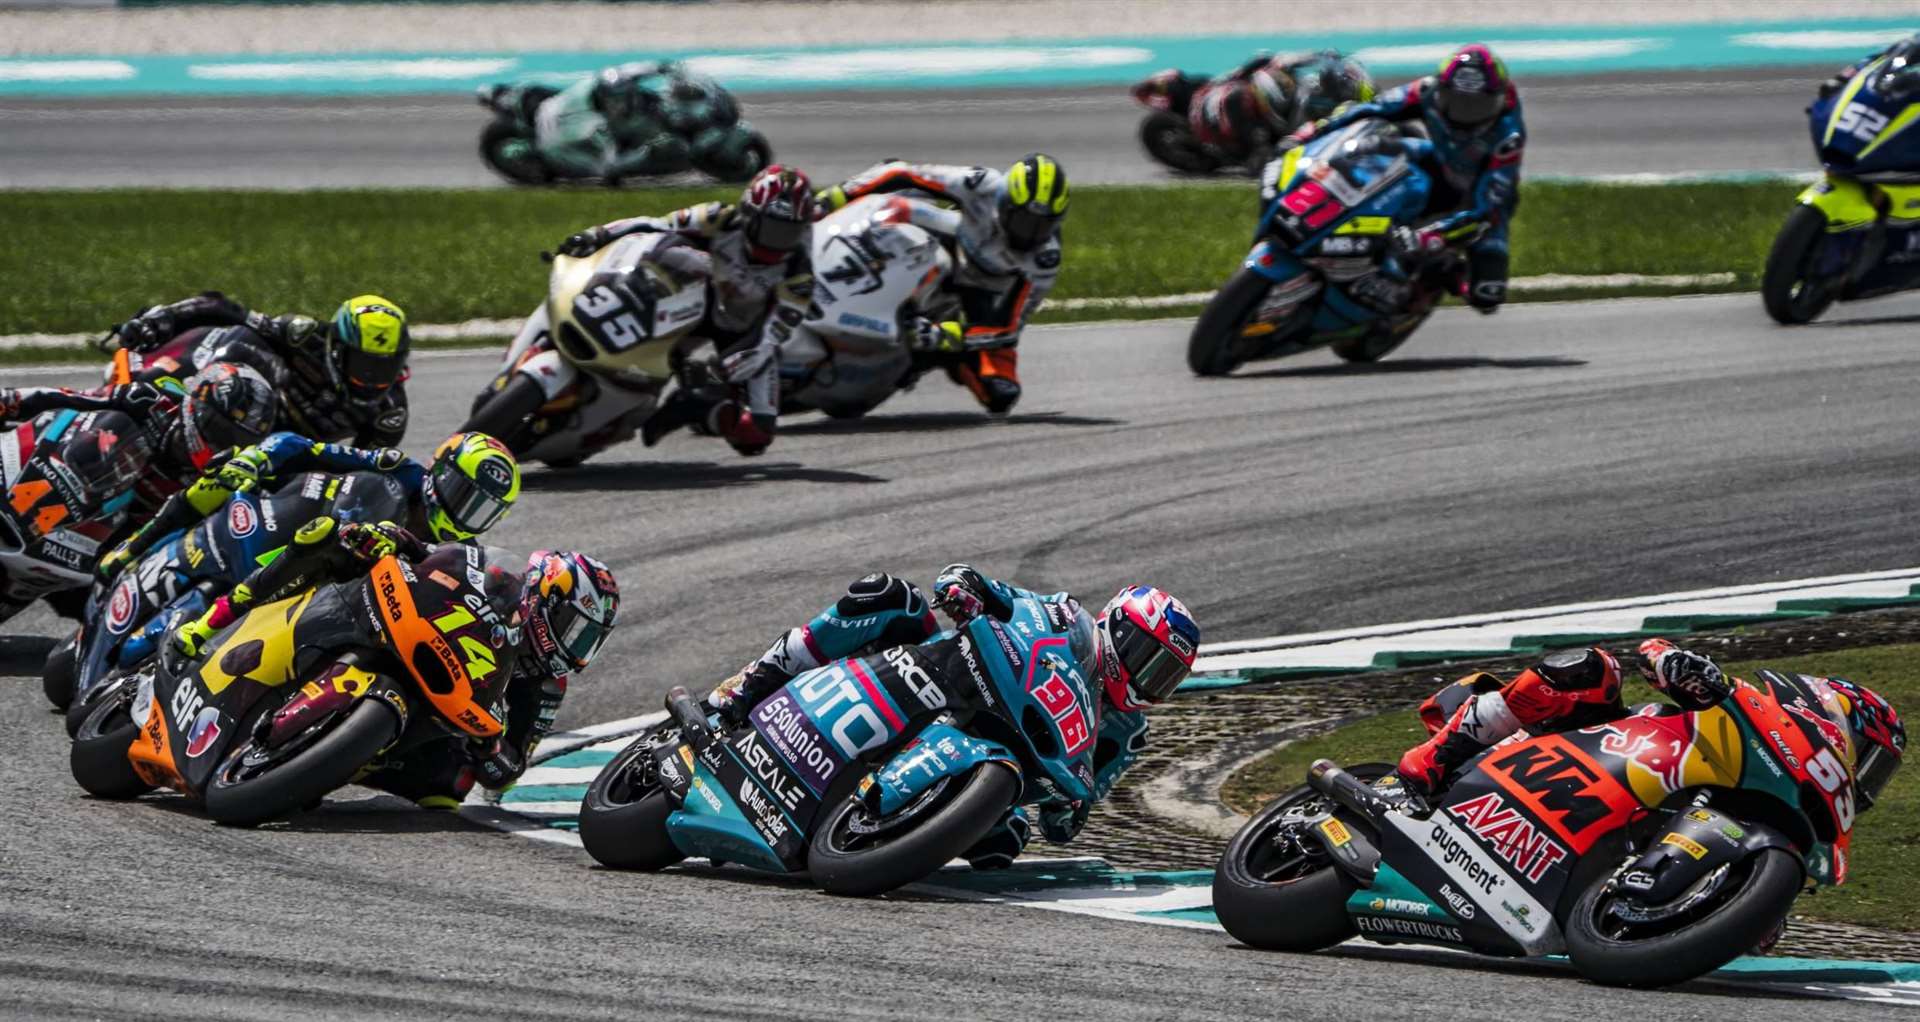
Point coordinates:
[[1548, 454], [1720, 122]]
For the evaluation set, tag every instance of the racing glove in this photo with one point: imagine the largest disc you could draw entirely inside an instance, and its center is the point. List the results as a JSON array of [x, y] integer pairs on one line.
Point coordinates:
[[1688, 678], [113, 562], [371, 542], [746, 363], [584, 243], [144, 332], [242, 472], [961, 592], [830, 199], [193, 635], [1061, 821], [495, 763]]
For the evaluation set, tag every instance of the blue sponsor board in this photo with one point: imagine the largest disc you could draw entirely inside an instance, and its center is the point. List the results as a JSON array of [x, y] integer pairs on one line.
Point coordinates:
[[1028, 63]]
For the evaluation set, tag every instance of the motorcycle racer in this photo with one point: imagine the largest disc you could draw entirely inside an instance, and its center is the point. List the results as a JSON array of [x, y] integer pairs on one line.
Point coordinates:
[[343, 380], [631, 119], [1901, 79], [1470, 109], [761, 287], [1008, 239], [1581, 688], [1144, 643], [562, 608], [224, 406], [1244, 110]]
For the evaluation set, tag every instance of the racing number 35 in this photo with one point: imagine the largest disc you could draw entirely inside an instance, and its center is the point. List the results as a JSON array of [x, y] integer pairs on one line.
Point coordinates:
[[598, 306]]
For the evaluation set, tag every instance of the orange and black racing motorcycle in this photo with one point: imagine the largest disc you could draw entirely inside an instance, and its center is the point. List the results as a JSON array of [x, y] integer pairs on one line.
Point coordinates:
[[300, 696]]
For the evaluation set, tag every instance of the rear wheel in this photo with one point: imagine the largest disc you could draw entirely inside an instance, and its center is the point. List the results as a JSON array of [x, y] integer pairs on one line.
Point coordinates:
[[56, 679], [254, 784], [99, 753], [508, 148], [623, 818], [755, 156], [1168, 139], [1788, 288], [1738, 906], [1277, 893], [1215, 346], [858, 852]]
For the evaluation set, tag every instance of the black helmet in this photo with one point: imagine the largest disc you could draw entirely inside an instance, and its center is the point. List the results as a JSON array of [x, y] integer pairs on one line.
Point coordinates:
[[1471, 89], [227, 405]]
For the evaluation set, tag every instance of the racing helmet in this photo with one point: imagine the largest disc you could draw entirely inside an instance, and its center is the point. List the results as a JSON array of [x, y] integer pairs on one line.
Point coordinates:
[[227, 405], [1471, 89], [470, 486], [1874, 731], [1899, 77], [567, 605], [620, 95], [776, 213], [1033, 202], [367, 347], [1276, 96], [1146, 641], [1340, 80]]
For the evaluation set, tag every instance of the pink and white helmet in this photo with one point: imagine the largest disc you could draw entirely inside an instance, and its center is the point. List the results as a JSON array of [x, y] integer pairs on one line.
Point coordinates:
[[1147, 641]]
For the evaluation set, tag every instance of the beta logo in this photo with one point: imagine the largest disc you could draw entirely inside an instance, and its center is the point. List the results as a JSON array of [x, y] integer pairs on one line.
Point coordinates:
[[204, 731], [120, 607], [241, 520]]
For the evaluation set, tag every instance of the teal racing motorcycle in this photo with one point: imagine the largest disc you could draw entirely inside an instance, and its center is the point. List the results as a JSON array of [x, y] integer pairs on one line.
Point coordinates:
[[868, 773], [1323, 271]]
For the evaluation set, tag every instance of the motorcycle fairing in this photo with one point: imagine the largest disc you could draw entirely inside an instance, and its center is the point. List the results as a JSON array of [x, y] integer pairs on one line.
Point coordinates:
[[939, 751], [711, 822], [1041, 695]]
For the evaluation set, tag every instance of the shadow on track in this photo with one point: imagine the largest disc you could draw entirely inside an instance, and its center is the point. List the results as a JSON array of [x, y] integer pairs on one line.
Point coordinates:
[[1841, 324], [25, 655], [686, 475], [1756, 990], [1419, 365], [927, 421]]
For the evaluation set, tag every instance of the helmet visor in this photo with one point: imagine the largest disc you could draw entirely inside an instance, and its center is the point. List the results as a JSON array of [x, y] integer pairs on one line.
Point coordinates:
[[1470, 109], [1870, 778], [580, 637], [776, 233], [368, 376], [1153, 670], [1026, 229], [469, 506]]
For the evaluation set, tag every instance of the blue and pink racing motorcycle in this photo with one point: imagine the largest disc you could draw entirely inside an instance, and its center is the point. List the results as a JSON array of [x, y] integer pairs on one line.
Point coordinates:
[[1856, 232], [1323, 270], [867, 773]]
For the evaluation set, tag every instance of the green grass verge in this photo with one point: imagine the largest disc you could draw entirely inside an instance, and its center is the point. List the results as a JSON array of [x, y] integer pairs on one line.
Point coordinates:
[[1886, 841], [77, 261]]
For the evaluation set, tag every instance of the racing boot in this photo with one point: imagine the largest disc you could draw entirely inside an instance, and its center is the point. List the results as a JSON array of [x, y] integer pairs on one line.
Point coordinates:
[[682, 409], [436, 776], [997, 848], [746, 432], [992, 377], [1426, 767], [734, 698]]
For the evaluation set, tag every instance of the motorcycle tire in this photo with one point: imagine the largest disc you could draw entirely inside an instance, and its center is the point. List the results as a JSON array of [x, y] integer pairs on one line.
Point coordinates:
[[528, 170], [755, 156], [504, 415], [57, 678], [98, 757], [84, 702], [1373, 345], [952, 827], [623, 827], [1792, 299], [1168, 140], [308, 775], [1740, 921], [1308, 913], [1216, 334]]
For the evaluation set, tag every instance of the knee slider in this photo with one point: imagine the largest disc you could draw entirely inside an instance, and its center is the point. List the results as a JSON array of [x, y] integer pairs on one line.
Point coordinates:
[[871, 594]]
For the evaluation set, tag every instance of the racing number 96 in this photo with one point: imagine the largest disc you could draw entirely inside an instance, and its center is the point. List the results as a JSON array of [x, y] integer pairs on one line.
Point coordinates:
[[1057, 696]]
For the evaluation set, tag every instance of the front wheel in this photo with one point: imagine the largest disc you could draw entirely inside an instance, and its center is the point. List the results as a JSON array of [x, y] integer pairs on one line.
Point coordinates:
[[755, 156], [254, 784], [508, 148], [1214, 347], [1743, 905], [857, 852], [98, 757], [1167, 138], [505, 412], [1278, 892], [57, 678], [1788, 288], [623, 818]]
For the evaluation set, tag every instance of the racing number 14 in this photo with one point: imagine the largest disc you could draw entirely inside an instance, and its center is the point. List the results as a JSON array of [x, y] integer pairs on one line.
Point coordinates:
[[479, 655]]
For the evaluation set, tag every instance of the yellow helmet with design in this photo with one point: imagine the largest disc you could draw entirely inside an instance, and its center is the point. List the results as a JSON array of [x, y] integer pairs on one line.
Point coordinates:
[[367, 347], [470, 486], [1034, 202]]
